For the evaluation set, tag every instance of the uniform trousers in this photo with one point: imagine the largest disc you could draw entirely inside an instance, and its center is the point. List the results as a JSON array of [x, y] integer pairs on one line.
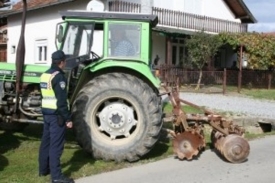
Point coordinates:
[[52, 146]]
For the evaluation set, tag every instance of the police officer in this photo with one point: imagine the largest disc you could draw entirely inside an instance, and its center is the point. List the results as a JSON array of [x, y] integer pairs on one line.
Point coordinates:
[[57, 117]]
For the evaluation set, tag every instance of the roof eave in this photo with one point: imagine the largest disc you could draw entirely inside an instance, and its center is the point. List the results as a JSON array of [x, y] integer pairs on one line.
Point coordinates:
[[248, 18], [250, 15], [13, 12]]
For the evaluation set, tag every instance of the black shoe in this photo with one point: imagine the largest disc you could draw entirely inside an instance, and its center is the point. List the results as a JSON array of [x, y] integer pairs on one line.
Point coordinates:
[[44, 174], [63, 180]]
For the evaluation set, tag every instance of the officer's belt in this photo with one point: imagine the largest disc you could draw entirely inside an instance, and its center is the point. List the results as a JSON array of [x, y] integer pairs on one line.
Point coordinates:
[[50, 98]]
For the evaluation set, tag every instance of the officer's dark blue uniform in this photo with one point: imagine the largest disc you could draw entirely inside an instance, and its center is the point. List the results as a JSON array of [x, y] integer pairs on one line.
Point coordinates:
[[55, 113]]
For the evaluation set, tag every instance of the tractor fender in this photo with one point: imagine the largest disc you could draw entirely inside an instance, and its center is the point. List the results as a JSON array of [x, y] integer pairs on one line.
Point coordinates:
[[137, 69], [133, 68]]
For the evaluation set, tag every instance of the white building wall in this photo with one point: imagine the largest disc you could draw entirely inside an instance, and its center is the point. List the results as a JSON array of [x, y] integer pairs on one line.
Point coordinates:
[[217, 9], [211, 8], [159, 47], [40, 24]]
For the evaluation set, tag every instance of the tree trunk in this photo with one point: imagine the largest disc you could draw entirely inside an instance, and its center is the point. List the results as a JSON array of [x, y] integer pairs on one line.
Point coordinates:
[[199, 80]]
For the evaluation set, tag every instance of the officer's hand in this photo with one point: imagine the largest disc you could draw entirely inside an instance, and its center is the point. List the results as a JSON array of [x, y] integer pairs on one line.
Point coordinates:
[[69, 124]]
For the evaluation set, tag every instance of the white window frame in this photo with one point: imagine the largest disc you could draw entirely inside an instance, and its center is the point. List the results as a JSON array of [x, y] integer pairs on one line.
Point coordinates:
[[41, 57]]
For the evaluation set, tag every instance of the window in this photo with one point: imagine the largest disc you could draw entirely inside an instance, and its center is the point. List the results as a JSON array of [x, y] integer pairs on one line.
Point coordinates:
[[124, 40], [41, 51], [78, 39], [179, 52]]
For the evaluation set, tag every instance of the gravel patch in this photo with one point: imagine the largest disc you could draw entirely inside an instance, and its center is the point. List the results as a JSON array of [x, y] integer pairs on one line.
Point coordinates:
[[240, 105]]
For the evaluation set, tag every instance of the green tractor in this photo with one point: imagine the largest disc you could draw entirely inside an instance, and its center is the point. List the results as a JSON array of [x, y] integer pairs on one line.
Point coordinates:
[[113, 93], [114, 97]]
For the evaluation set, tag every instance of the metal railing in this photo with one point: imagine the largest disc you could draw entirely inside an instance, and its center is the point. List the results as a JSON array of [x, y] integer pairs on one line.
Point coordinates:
[[182, 19], [121, 6], [197, 22]]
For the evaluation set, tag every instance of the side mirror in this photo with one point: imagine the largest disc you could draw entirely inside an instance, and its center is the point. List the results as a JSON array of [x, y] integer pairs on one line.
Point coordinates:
[[59, 38], [60, 33]]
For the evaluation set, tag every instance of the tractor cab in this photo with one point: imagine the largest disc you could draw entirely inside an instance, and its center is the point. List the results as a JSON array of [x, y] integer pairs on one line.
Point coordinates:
[[87, 37]]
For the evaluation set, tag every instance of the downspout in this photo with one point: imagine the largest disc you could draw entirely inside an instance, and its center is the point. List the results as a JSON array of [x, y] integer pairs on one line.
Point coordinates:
[[240, 69]]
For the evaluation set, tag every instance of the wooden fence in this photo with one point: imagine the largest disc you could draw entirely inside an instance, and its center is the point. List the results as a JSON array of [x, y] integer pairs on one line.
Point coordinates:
[[250, 78]]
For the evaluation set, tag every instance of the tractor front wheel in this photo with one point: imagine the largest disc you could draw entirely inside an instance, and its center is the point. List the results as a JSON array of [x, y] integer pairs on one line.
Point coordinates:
[[117, 117]]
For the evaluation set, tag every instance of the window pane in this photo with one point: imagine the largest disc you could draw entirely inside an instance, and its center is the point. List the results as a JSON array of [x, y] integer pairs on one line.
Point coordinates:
[[174, 55], [45, 53], [78, 39], [174, 40], [85, 41], [40, 53], [124, 40], [41, 50], [69, 44], [181, 54]]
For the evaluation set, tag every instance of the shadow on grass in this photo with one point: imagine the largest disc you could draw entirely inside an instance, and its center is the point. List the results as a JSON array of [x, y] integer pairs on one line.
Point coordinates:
[[35, 131], [79, 157], [78, 160], [158, 151], [8, 141], [3, 162]]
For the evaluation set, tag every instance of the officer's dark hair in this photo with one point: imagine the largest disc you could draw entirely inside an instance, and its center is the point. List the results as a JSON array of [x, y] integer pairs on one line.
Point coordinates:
[[58, 57]]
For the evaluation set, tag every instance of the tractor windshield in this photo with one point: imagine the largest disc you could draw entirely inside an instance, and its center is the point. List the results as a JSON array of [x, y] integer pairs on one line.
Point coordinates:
[[78, 39], [75, 39], [124, 40]]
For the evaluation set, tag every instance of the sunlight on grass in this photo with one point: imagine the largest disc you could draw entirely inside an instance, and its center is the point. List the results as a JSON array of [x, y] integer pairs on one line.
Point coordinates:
[[19, 156], [255, 93], [188, 109], [260, 93]]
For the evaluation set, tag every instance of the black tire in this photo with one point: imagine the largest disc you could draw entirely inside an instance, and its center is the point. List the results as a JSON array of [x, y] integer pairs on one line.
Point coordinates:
[[101, 110], [1, 96]]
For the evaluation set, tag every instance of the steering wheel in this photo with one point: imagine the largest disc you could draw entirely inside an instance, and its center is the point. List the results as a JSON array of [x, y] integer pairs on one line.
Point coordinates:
[[94, 55]]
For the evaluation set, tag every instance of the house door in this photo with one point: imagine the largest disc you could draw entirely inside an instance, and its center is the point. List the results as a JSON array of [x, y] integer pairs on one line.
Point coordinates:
[[178, 52], [3, 53], [220, 59]]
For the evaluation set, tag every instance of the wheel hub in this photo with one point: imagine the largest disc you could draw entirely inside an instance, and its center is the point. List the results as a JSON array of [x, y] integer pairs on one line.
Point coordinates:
[[117, 119]]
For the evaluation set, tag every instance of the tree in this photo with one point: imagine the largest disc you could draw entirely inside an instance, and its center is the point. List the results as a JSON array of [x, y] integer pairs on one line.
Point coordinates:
[[201, 49], [259, 47]]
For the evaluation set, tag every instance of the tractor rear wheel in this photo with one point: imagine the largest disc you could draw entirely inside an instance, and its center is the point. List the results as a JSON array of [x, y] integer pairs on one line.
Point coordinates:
[[117, 117]]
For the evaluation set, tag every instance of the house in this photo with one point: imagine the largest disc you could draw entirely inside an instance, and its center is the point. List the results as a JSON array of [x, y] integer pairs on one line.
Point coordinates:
[[42, 17], [180, 18], [177, 20]]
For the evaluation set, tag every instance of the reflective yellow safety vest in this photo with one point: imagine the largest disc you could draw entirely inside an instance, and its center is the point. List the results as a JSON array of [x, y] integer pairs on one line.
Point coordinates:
[[49, 100]]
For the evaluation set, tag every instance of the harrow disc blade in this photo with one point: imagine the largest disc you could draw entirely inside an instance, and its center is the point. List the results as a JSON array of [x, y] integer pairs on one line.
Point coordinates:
[[187, 144], [235, 148]]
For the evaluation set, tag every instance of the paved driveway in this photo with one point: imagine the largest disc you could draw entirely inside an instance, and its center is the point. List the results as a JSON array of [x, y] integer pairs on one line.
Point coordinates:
[[209, 168]]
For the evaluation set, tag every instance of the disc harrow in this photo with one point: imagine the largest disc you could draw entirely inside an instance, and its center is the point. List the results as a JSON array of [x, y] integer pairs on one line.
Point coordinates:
[[188, 132], [188, 145]]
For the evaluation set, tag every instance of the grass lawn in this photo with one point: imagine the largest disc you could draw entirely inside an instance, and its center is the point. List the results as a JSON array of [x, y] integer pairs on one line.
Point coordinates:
[[255, 93], [19, 156]]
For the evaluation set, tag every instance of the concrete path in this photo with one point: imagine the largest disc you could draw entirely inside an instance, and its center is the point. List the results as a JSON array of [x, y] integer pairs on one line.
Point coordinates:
[[209, 168]]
